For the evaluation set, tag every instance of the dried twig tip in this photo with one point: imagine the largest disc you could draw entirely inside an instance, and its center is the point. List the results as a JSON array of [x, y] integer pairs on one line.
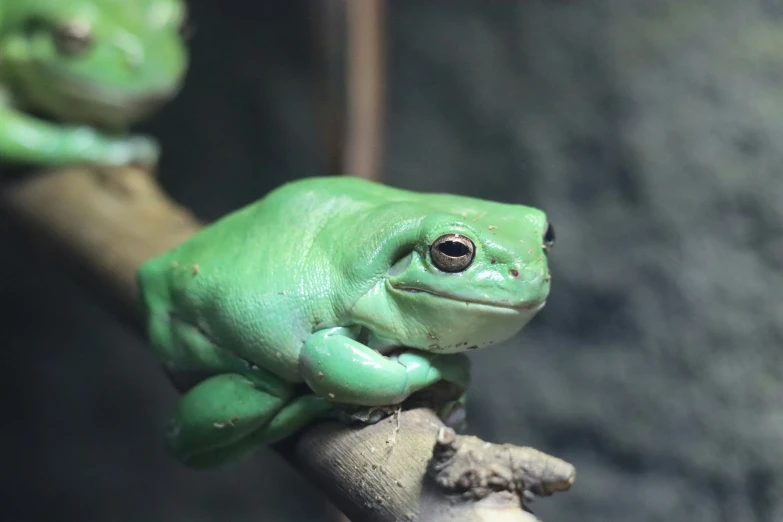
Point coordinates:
[[473, 469], [446, 436]]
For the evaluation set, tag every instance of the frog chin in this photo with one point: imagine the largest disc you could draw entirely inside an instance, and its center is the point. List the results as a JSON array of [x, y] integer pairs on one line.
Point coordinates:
[[421, 318], [74, 99]]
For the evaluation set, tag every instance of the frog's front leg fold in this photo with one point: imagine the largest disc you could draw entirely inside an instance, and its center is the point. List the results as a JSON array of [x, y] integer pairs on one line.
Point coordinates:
[[337, 366], [28, 140], [226, 417]]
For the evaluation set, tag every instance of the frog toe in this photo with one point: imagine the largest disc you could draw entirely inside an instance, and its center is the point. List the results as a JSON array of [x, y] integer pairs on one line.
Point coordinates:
[[454, 415]]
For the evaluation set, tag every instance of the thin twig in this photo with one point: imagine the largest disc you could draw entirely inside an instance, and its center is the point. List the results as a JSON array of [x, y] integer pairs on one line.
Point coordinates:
[[366, 88], [353, 136]]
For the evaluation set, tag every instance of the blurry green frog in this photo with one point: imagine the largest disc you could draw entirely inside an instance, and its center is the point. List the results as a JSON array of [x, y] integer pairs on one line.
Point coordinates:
[[75, 74]]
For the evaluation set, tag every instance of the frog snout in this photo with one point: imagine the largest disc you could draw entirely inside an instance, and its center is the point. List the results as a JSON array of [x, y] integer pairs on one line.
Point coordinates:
[[532, 282], [528, 275]]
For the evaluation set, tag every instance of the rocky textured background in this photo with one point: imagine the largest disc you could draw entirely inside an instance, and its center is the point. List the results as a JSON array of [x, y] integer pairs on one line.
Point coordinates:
[[650, 131]]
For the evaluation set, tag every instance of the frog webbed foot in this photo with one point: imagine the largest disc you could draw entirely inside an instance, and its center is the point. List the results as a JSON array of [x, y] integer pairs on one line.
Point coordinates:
[[103, 149], [447, 399], [454, 415], [349, 414], [27, 139], [440, 397]]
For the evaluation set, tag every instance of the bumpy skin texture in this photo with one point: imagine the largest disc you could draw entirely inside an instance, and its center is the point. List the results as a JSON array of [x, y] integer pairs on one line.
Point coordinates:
[[76, 74], [334, 282]]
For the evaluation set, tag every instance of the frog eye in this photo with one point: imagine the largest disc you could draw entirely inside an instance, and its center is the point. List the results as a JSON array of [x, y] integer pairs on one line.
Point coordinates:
[[549, 237], [452, 253], [73, 38]]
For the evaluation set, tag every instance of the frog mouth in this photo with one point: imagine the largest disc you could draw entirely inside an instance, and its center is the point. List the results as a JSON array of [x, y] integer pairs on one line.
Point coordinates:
[[525, 306], [133, 103], [88, 96]]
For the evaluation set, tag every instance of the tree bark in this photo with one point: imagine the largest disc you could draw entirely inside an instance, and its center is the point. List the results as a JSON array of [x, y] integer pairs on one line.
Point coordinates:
[[101, 224]]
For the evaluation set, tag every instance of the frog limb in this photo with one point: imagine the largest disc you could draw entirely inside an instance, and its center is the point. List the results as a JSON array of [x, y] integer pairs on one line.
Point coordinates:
[[227, 417], [26, 139], [337, 366]]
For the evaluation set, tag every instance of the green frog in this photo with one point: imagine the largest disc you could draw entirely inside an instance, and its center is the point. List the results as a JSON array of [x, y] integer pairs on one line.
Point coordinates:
[[360, 292]]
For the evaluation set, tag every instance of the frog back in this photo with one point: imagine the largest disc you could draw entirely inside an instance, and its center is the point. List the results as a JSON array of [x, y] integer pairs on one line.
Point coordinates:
[[255, 283]]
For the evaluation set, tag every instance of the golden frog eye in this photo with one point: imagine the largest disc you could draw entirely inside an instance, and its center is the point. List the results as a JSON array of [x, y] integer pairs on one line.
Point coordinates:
[[452, 253], [73, 38]]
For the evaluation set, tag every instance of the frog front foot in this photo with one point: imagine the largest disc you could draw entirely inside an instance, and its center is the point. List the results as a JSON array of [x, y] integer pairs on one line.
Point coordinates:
[[138, 150]]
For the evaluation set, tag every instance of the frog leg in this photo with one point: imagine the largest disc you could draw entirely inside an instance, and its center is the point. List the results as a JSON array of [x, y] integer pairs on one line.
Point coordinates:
[[337, 366], [228, 416], [26, 139]]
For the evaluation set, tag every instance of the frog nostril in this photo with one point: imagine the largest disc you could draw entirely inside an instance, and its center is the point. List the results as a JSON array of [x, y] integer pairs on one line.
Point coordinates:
[[514, 272]]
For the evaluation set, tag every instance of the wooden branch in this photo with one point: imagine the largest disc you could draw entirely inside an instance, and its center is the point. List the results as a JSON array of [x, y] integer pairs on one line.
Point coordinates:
[[365, 88], [101, 224], [352, 84]]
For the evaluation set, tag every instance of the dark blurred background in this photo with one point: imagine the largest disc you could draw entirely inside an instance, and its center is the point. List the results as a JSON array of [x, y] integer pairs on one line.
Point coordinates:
[[649, 131]]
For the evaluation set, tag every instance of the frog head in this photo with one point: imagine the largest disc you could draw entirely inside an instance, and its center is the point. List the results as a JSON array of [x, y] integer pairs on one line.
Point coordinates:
[[453, 274], [107, 63]]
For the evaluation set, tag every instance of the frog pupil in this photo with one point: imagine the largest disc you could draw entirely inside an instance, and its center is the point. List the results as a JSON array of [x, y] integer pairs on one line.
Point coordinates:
[[454, 249], [549, 236]]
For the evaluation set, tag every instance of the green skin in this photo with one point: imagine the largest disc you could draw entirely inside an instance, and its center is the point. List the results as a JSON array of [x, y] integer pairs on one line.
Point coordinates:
[[86, 65], [332, 282]]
